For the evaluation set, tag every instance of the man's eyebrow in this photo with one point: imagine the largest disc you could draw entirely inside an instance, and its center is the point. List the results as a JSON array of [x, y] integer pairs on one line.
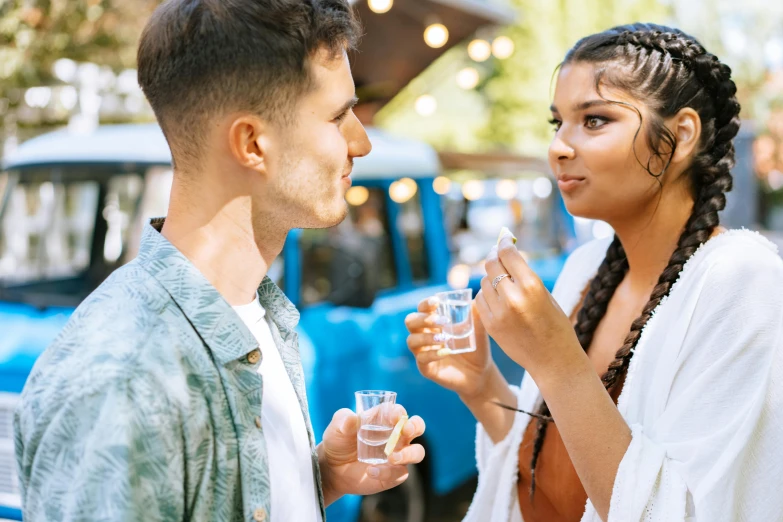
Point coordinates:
[[584, 105], [350, 104]]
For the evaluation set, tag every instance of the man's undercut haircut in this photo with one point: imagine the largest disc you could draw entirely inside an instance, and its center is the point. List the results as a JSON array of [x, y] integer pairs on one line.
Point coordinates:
[[201, 58]]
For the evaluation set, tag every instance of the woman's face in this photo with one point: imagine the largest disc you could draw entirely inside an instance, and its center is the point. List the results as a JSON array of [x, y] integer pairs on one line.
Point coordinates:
[[592, 153]]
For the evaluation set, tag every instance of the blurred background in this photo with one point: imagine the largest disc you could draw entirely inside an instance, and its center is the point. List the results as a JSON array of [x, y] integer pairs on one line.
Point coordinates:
[[456, 94]]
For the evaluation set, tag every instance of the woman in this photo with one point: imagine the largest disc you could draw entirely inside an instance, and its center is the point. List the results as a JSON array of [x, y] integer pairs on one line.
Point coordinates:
[[685, 420]]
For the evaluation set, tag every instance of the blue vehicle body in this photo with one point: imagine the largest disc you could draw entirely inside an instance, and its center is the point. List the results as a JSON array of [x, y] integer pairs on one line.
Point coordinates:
[[344, 348]]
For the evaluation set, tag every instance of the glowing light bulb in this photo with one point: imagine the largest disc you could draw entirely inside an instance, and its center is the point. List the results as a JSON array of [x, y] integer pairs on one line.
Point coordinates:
[[502, 47], [441, 185], [468, 78], [436, 35], [380, 6], [473, 189], [426, 105], [357, 196], [479, 50]]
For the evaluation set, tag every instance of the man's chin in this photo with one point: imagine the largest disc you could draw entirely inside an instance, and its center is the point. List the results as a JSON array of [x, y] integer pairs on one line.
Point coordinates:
[[333, 218]]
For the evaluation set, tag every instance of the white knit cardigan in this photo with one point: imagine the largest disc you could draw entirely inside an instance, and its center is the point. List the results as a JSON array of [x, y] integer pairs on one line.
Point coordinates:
[[703, 396]]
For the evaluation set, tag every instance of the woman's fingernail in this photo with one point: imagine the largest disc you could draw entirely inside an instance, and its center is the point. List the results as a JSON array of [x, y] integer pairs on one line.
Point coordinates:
[[433, 301], [440, 320], [444, 351], [439, 338], [374, 472]]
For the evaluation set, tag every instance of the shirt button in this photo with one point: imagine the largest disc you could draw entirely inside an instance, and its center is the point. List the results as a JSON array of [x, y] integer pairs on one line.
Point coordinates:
[[259, 515], [258, 422], [254, 356]]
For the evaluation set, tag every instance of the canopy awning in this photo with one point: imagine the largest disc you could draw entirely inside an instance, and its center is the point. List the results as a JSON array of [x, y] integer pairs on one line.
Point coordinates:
[[393, 52]]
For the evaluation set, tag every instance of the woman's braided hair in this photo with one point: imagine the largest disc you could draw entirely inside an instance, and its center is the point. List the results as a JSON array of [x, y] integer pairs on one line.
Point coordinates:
[[670, 70]]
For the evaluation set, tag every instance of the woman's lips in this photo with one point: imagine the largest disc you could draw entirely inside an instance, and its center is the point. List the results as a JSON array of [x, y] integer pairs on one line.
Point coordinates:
[[568, 183]]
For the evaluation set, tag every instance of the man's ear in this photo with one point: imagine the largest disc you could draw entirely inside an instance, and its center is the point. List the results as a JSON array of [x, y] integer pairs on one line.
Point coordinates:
[[686, 126], [247, 142]]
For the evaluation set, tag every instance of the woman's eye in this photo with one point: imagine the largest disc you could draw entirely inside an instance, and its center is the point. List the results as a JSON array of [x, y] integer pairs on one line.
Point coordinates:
[[594, 122], [555, 123]]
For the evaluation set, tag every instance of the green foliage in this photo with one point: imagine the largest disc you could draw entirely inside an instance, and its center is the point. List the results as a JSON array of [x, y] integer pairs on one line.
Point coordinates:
[[36, 33], [519, 95]]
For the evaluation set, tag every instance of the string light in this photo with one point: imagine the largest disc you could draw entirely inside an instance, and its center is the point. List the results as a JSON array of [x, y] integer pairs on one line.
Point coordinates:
[[436, 35], [402, 190], [502, 47], [426, 105], [473, 189], [479, 50], [506, 189], [468, 78], [380, 6], [441, 185], [357, 196]]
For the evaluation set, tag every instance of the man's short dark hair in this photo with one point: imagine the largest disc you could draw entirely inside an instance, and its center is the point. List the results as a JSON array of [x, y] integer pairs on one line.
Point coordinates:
[[200, 58]]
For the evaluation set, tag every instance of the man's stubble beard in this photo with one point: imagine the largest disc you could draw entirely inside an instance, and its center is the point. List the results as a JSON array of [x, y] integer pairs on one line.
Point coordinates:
[[302, 204]]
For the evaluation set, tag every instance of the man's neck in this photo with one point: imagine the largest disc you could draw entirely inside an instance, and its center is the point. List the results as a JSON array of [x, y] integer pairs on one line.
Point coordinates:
[[222, 243]]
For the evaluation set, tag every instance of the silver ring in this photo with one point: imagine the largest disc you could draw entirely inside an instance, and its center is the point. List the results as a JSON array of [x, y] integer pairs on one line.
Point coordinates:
[[498, 279]]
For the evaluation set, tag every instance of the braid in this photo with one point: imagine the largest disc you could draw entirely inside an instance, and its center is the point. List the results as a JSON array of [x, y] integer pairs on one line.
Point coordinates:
[[680, 57]]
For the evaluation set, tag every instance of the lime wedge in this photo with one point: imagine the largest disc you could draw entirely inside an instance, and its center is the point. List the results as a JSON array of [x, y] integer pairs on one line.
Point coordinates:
[[395, 435], [506, 232]]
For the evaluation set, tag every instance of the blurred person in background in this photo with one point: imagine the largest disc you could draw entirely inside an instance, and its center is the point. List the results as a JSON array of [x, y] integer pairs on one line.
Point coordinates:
[[683, 422], [175, 391]]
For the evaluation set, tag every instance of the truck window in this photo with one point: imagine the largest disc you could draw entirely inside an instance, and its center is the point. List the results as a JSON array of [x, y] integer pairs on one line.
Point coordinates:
[[47, 229], [349, 263]]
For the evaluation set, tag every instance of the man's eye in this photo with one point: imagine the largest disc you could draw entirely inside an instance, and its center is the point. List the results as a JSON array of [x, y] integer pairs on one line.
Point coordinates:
[[341, 117]]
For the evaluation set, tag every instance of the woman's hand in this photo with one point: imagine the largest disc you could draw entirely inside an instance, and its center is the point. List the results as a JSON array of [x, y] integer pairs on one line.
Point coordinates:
[[523, 317], [466, 373]]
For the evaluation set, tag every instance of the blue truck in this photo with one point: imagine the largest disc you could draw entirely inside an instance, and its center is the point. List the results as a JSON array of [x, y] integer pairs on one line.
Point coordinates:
[[72, 207]]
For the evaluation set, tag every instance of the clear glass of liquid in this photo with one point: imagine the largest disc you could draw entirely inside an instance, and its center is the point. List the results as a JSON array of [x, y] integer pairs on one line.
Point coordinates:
[[455, 307], [376, 422]]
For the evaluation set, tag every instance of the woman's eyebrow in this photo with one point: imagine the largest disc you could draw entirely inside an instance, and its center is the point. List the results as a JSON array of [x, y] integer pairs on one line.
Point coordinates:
[[584, 105]]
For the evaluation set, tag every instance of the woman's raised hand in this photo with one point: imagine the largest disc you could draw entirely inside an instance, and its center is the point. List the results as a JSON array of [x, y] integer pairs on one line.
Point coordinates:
[[523, 317], [465, 373]]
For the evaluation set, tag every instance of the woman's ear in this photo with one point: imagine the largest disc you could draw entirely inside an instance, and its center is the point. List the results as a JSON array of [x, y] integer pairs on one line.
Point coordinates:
[[686, 126]]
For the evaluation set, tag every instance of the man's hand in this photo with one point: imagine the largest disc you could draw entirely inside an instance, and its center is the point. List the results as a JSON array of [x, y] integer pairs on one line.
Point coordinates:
[[341, 471]]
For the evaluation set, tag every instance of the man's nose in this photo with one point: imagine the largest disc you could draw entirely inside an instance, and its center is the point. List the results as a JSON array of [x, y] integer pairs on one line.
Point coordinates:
[[358, 142]]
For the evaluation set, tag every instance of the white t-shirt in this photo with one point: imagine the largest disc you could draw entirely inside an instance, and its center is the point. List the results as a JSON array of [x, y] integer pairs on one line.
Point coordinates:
[[293, 495]]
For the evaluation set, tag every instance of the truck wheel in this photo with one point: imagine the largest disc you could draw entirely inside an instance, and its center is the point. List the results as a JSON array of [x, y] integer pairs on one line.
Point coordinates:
[[405, 503]]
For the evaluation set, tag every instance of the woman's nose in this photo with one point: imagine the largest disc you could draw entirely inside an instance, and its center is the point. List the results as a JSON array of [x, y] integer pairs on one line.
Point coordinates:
[[559, 150]]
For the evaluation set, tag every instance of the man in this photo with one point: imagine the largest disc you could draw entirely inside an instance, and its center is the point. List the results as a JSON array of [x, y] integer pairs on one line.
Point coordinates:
[[175, 392]]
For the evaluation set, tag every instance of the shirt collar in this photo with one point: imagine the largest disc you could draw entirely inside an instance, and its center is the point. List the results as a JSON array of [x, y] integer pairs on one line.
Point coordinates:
[[213, 318]]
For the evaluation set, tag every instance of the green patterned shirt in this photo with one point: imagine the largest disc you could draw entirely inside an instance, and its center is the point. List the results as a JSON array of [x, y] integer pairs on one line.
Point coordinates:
[[147, 405]]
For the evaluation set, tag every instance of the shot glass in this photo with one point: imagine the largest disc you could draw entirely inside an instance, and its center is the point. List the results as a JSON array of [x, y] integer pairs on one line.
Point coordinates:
[[454, 308], [376, 422]]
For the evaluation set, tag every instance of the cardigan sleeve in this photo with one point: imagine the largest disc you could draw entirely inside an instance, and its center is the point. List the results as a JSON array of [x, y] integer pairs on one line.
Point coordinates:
[[714, 453]]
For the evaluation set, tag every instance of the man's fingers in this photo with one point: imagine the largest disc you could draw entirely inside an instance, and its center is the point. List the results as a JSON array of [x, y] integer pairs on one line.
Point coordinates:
[[414, 428], [345, 422], [412, 454], [389, 475]]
